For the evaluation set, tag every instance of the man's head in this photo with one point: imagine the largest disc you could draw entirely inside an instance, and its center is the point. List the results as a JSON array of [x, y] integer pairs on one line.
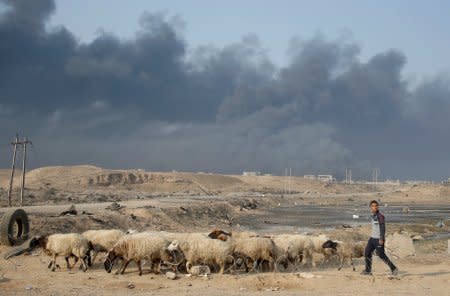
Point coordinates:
[[374, 206]]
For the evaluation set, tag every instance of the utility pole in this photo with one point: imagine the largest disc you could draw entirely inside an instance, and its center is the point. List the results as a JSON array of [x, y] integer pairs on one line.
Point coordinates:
[[375, 174], [348, 176], [24, 160], [15, 143], [290, 175]]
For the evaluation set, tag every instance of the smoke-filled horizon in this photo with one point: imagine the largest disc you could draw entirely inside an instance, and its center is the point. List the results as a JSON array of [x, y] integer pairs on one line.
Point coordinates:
[[153, 102]]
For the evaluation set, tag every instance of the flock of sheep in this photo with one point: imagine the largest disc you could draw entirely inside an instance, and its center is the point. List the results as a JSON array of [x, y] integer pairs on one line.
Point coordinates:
[[219, 250]]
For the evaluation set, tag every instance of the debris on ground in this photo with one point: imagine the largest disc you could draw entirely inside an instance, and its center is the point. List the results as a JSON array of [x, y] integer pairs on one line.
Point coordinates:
[[115, 206], [248, 205], [417, 237], [131, 286], [171, 275], [440, 224], [27, 246], [72, 211], [272, 289], [198, 270]]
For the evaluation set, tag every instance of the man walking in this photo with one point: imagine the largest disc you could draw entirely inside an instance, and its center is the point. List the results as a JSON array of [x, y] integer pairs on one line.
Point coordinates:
[[376, 241]]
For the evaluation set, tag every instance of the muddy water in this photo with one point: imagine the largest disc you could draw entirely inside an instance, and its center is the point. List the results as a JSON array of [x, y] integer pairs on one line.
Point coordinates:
[[304, 218]]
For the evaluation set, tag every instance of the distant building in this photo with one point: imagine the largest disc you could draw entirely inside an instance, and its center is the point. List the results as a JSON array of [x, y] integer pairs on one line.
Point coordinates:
[[322, 178], [326, 178], [417, 182], [250, 173]]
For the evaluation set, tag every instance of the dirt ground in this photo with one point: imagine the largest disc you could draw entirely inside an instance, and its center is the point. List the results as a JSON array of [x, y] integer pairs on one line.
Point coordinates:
[[28, 275], [200, 202]]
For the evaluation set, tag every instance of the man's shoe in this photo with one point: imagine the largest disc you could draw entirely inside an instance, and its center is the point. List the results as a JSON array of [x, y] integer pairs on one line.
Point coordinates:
[[365, 272], [395, 271]]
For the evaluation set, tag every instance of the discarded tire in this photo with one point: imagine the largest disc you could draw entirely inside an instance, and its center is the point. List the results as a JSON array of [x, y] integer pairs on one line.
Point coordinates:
[[14, 227]]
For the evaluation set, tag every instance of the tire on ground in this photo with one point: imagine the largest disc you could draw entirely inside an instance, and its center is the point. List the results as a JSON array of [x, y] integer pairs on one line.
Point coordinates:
[[14, 227]]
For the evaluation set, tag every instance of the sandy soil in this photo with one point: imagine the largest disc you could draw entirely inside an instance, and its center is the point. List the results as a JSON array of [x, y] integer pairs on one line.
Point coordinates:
[[28, 275], [200, 202]]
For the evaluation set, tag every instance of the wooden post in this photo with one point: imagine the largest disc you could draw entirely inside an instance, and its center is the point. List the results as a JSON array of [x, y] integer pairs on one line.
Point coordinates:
[[12, 169], [25, 142]]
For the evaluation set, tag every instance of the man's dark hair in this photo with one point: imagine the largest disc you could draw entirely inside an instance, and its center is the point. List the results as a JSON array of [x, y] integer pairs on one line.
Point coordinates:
[[374, 202]]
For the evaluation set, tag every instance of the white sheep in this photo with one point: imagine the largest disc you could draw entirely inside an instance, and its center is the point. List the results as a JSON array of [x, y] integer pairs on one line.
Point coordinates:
[[297, 248], [103, 240], [67, 245], [243, 234], [138, 247], [318, 242], [199, 249], [346, 251], [257, 249]]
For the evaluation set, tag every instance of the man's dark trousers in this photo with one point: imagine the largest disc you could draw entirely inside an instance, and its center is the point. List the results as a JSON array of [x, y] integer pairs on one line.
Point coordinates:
[[372, 245]]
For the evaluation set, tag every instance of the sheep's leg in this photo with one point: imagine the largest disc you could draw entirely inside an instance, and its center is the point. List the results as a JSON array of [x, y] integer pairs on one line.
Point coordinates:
[[95, 253], [272, 265], [222, 267], [255, 265], [125, 265], [351, 263], [246, 264], [311, 260], [120, 267], [297, 262], [307, 261], [67, 263], [84, 264], [188, 266], [341, 263], [54, 262], [139, 264], [158, 266], [303, 258], [50, 264], [75, 258]]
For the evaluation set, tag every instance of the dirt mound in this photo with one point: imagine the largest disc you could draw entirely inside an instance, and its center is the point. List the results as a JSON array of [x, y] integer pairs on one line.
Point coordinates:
[[74, 182], [118, 178], [60, 174]]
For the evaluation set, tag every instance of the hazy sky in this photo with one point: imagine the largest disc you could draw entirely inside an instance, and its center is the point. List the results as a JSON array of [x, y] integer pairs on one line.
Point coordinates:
[[224, 86], [420, 29]]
